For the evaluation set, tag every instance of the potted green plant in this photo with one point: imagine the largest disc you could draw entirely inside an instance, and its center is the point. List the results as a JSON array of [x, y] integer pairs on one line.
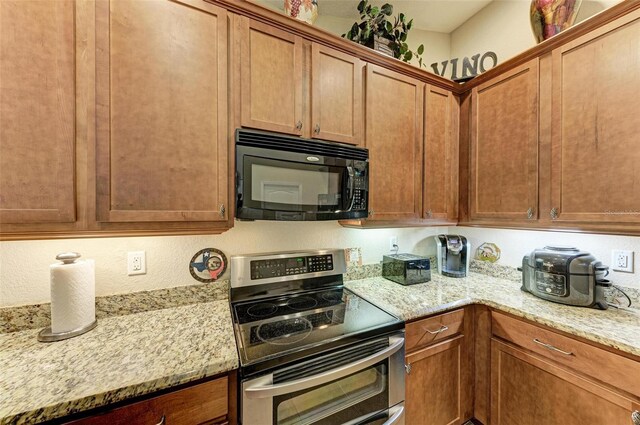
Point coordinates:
[[377, 31]]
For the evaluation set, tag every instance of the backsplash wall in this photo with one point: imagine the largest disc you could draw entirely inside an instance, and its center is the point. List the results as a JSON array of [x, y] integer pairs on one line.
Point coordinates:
[[515, 244], [24, 265]]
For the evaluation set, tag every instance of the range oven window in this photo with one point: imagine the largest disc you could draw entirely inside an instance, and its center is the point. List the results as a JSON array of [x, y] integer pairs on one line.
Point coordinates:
[[292, 186], [343, 400]]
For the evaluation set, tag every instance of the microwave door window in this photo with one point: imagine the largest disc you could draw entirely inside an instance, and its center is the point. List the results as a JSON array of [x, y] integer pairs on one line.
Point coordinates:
[[290, 186]]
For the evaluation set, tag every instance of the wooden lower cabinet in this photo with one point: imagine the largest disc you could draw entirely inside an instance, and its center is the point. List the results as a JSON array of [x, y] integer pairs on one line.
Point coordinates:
[[206, 403], [439, 376], [530, 390], [433, 384]]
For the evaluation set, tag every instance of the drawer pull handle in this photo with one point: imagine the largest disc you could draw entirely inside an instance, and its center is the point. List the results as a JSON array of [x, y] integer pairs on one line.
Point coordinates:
[[162, 420], [551, 347], [635, 417], [439, 331]]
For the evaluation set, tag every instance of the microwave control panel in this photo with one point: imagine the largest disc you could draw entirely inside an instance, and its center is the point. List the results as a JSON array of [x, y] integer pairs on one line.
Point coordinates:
[[360, 190], [266, 269]]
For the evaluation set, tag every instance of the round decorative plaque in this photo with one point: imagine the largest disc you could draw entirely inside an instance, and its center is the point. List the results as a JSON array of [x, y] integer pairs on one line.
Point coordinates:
[[207, 265]]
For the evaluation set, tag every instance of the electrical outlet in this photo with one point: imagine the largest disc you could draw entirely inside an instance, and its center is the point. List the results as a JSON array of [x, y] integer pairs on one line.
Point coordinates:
[[393, 243], [136, 263], [622, 261]]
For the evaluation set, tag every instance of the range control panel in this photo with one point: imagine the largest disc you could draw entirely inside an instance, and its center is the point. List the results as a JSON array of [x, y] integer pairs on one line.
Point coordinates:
[[266, 269], [552, 284]]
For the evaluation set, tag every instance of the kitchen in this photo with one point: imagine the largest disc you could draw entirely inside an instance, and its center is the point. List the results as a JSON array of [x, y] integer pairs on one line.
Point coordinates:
[[101, 192]]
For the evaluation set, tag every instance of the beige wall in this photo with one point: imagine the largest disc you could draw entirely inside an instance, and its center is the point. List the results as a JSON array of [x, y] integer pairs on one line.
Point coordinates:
[[504, 27], [517, 243], [24, 265]]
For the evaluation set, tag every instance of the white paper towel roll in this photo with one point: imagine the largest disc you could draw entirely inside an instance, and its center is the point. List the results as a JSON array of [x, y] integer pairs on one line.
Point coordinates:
[[73, 295]]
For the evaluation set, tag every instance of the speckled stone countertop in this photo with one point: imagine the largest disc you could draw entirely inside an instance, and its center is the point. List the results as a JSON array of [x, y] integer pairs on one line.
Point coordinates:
[[617, 328], [150, 341], [124, 357]]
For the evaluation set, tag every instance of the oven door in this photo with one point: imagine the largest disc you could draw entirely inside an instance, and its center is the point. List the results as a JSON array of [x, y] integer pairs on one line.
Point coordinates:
[[362, 384]]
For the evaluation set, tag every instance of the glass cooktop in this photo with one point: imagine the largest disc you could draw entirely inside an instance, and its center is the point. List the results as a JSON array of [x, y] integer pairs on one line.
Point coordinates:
[[279, 326]]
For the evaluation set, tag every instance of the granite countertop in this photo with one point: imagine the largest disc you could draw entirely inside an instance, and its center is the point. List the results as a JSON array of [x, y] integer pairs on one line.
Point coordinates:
[[617, 328], [146, 342], [125, 356]]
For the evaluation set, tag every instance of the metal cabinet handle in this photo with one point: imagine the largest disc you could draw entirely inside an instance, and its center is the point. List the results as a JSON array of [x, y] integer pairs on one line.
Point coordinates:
[[551, 347], [222, 210], [299, 125], [530, 212], [317, 129], [635, 417], [162, 420], [429, 213], [553, 213], [371, 213], [263, 388], [407, 367], [442, 329]]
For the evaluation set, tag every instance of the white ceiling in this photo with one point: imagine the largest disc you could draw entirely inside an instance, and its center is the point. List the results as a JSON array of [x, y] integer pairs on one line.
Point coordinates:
[[431, 15]]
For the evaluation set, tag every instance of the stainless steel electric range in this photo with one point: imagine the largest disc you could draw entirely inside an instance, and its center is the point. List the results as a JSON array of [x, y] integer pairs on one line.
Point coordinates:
[[311, 351]]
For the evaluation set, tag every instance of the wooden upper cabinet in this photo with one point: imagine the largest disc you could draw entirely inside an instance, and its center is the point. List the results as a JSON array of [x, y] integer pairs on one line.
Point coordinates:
[[37, 111], [336, 95], [596, 126], [394, 139], [504, 146], [161, 94], [440, 155], [270, 78]]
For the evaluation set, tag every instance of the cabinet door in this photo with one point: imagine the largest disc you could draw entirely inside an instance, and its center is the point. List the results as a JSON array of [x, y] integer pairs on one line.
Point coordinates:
[[336, 95], [527, 390], [440, 155], [504, 146], [596, 129], [37, 111], [271, 78], [161, 111], [394, 138], [434, 384]]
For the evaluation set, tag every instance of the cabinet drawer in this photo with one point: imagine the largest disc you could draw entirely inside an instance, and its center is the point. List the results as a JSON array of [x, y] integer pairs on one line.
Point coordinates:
[[618, 371], [198, 404], [427, 331]]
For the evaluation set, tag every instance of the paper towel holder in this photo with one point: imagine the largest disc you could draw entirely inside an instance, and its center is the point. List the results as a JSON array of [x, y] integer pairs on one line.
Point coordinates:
[[46, 335]]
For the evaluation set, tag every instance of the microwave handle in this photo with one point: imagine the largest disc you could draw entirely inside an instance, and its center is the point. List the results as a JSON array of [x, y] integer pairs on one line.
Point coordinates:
[[351, 185], [260, 390]]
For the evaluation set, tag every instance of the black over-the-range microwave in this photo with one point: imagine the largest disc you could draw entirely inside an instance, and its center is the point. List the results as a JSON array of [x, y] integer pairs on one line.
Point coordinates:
[[290, 178]]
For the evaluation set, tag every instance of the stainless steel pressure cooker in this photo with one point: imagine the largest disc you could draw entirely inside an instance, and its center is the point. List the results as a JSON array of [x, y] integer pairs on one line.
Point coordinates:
[[565, 275]]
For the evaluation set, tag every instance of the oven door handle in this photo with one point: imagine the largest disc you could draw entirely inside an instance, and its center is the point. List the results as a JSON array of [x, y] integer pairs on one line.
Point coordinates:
[[260, 390]]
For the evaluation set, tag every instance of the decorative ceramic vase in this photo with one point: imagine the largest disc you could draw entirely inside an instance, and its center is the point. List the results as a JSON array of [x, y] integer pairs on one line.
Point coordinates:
[[550, 17], [303, 10]]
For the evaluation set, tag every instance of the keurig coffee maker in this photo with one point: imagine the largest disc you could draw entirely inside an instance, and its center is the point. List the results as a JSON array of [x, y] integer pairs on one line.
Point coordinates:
[[453, 253]]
